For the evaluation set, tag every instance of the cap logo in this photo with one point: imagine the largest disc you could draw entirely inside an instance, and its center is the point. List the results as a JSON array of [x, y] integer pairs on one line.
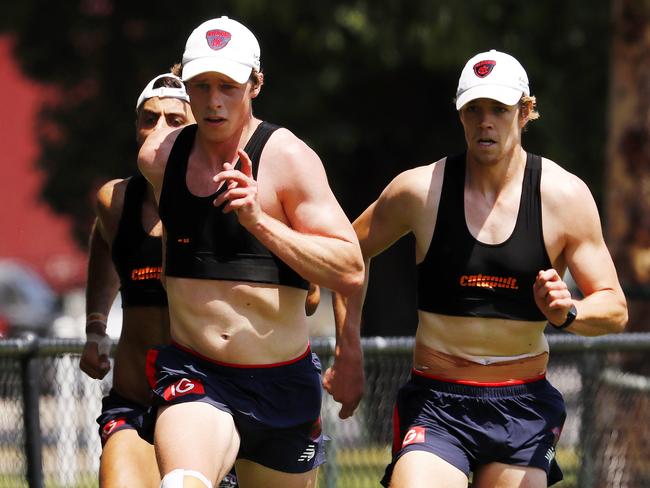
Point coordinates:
[[217, 39], [484, 68]]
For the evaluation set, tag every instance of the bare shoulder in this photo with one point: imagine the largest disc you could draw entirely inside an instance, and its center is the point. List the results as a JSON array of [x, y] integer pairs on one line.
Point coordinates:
[[109, 205], [560, 188], [569, 211], [285, 148], [153, 155], [416, 186]]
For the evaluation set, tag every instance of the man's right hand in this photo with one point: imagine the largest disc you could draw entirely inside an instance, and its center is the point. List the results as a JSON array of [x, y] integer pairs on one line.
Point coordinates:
[[94, 358], [345, 382]]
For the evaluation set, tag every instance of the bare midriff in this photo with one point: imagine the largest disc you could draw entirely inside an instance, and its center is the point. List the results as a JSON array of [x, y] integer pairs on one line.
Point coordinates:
[[237, 322], [483, 350], [142, 329]]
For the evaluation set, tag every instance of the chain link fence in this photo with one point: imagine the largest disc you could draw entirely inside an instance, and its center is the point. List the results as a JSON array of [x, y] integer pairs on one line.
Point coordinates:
[[48, 434]]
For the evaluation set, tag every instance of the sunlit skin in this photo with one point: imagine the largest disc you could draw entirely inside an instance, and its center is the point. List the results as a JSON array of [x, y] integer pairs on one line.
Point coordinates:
[[128, 460], [221, 107], [492, 130], [157, 113]]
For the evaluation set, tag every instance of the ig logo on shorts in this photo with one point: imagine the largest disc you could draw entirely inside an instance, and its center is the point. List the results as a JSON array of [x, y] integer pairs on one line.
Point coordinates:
[[415, 435], [182, 387]]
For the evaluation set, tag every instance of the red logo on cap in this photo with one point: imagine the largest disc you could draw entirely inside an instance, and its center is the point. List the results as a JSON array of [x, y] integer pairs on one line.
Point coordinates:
[[217, 38], [484, 68]]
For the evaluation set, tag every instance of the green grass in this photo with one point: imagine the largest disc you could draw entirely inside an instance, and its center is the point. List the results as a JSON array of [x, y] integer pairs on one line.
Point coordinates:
[[350, 468], [363, 468]]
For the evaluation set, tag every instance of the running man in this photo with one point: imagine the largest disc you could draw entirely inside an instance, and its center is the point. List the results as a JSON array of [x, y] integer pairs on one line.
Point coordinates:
[[249, 222], [126, 254], [495, 230]]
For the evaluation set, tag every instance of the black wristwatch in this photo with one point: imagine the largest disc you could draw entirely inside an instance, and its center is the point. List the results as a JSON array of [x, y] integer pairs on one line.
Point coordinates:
[[570, 317]]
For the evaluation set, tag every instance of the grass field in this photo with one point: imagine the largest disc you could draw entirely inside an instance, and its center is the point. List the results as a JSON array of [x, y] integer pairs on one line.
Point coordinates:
[[351, 468]]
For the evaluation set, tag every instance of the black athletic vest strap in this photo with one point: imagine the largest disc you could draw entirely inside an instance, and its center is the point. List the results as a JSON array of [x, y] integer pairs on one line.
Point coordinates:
[[137, 255], [463, 277], [202, 241]]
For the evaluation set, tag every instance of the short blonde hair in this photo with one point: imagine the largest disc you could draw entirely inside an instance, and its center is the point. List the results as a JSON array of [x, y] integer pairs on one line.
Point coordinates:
[[528, 105]]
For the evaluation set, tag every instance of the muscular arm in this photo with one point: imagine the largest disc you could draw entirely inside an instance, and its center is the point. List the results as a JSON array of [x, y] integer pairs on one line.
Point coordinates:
[[580, 246], [153, 155], [310, 231], [395, 213], [103, 281]]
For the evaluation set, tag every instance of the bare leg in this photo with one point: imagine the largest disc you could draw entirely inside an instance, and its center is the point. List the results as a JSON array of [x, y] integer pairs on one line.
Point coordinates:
[[421, 469], [196, 436], [254, 475], [127, 460], [498, 475]]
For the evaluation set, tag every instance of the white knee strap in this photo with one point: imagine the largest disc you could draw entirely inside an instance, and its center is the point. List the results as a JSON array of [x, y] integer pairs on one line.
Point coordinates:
[[174, 479]]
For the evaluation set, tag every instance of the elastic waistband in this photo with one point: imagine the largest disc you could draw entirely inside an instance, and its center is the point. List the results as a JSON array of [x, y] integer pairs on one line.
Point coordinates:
[[272, 370], [482, 390]]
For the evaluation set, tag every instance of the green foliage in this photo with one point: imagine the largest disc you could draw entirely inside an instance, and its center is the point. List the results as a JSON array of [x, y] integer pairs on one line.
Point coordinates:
[[369, 84]]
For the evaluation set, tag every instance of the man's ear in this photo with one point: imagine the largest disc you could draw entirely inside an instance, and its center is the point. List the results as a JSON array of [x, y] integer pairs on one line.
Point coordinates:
[[257, 85], [524, 113]]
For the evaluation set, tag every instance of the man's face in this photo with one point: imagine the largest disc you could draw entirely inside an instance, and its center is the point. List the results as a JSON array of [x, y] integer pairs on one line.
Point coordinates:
[[157, 113], [492, 129], [221, 105]]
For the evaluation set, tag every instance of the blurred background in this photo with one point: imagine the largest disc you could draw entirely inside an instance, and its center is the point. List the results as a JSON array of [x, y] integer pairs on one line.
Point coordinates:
[[369, 85]]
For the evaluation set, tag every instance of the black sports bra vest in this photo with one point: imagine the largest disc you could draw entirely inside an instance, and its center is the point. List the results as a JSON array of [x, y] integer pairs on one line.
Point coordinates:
[[137, 255], [202, 241], [463, 277]]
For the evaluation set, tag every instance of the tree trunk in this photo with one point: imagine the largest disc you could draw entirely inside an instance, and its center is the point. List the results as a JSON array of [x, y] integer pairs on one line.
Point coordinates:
[[622, 424], [628, 192]]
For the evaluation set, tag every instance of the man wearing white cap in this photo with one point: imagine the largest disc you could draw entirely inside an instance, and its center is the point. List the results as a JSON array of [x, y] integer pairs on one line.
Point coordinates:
[[249, 221], [126, 254], [495, 229]]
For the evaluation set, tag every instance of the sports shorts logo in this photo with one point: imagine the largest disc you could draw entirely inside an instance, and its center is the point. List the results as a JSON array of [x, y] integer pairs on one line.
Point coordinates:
[[182, 387], [484, 68], [308, 454], [112, 426], [217, 39], [415, 435]]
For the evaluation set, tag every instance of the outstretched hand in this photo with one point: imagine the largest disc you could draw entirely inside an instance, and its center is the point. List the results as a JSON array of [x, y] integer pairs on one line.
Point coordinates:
[[240, 194]]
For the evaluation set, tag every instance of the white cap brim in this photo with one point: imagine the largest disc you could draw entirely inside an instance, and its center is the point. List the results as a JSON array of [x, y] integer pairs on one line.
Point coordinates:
[[232, 69], [162, 91], [503, 94]]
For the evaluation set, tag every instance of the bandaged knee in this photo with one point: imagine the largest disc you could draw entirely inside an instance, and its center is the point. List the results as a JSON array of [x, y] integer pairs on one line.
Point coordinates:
[[174, 479]]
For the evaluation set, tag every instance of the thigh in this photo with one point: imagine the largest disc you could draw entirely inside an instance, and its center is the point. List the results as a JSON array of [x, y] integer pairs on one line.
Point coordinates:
[[128, 460], [196, 436], [421, 469], [498, 475], [254, 475]]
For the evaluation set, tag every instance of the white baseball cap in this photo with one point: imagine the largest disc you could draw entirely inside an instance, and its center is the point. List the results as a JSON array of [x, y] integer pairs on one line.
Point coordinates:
[[494, 75], [162, 91], [222, 45]]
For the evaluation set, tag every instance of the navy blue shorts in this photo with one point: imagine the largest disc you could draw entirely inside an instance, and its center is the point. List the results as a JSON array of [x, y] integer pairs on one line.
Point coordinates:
[[118, 413], [276, 408], [470, 426]]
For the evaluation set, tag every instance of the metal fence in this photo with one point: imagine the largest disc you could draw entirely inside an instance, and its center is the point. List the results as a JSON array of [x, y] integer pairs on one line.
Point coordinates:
[[48, 434]]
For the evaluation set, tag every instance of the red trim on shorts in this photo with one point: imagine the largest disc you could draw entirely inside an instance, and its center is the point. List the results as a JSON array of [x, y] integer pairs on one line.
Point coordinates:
[[480, 383], [150, 367], [244, 366], [397, 441]]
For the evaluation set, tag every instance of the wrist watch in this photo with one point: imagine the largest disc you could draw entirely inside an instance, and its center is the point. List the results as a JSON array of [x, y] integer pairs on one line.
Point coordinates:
[[570, 317]]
